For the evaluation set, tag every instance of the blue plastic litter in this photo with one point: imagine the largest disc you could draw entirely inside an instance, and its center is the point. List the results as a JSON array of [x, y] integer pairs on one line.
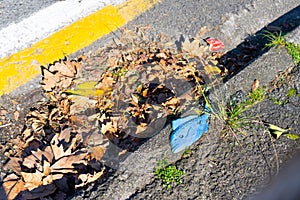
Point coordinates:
[[188, 130]]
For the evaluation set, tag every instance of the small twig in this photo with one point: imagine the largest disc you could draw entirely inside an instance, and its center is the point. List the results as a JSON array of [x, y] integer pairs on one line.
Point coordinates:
[[275, 152], [5, 125], [234, 135]]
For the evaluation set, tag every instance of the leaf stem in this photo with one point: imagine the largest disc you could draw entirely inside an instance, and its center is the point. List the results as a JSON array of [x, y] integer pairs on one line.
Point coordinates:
[[5, 125]]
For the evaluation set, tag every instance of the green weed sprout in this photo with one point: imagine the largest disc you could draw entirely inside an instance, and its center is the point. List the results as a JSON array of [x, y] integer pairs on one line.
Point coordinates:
[[168, 174], [274, 39], [231, 113], [277, 39], [294, 51]]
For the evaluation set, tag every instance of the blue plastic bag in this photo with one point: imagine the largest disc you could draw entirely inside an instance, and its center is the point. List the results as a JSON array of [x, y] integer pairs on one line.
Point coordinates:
[[187, 131]]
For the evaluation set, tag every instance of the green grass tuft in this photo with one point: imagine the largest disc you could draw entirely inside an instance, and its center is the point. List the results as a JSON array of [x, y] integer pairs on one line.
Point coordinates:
[[277, 39], [186, 153], [168, 174], [294, 51], [274, 39], [231, 113], [291, 92]]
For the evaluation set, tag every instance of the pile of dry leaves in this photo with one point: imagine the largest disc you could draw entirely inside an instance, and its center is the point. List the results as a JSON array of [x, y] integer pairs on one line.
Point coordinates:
[[89, 122], [50, 156]]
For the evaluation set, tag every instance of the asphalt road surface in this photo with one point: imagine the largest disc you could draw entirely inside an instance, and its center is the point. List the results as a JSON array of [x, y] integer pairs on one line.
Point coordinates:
[[13, 11], [214, 170]]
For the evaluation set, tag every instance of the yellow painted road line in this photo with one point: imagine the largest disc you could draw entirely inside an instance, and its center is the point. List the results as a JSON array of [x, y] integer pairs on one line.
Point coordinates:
[[19, 68]]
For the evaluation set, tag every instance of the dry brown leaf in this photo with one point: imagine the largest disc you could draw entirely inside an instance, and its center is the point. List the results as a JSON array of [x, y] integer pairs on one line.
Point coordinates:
[[76, 63], [172, 102], [213, 62], [88, 178], [64, 68], [37, 126], [255, 85], [3, 112], [48, 153], [16, 115], [123, 152], [65, 164], [83, 178], [36, 114], [79, 58], [14, 164], [145, 92], [79, 120], [32, 180], [12, 186], [53, 113], [49, 80], [29, 141], [106, 82], [140, 129], [97, 152], [163, 64], [26, 133], [162, 55], [48, 179], [32, 162], [81, 103], [134, 98], [35, 160], [57, 176], [64, 82], [72, 65], [72, 145], [18, 145], [57, 149], [46, 168], [57, 144], [52, 97], [108, 127], [65, 135], [65, 105], [59, 75], [194, 48]]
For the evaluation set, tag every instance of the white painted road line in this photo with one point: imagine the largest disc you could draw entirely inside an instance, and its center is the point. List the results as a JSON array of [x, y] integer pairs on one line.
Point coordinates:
[[45, 22]]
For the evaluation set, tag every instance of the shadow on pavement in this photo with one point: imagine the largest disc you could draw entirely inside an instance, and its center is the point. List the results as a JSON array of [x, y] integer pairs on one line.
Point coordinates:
[[254, 45]]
